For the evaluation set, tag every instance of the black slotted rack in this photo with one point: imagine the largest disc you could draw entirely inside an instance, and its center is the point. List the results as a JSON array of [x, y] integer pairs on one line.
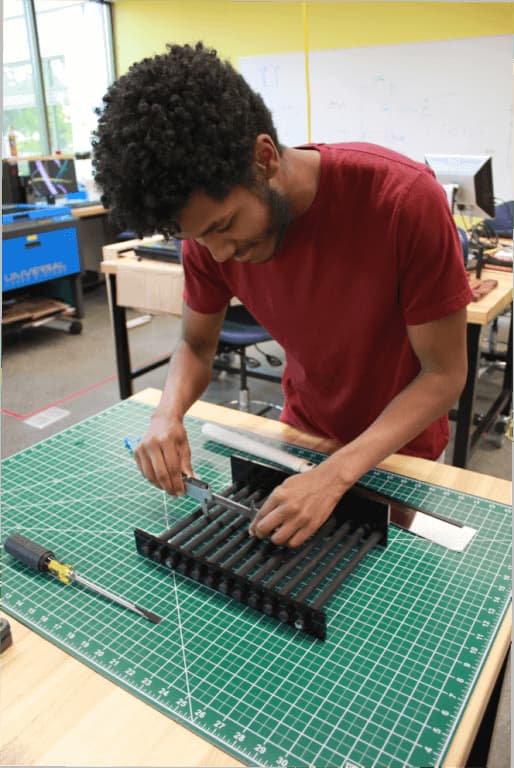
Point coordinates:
[[291, 585]]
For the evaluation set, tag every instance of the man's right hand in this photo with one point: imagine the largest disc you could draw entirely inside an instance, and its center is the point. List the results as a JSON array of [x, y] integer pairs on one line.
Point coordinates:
[[164, 455]]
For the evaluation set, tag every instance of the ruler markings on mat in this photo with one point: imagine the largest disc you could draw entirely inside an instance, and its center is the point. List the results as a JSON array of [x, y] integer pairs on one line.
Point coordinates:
[[407, 634]]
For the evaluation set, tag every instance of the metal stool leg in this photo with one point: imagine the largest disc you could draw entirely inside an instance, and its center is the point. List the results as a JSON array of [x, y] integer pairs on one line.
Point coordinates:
[[244, 402]]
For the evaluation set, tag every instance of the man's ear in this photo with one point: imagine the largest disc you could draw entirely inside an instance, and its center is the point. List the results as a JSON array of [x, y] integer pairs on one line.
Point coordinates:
[[265, 155]]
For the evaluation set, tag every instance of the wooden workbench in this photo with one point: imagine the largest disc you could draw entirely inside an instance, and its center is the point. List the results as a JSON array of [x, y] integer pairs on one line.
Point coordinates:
[[89, 210], [484, 311], [57, 711]]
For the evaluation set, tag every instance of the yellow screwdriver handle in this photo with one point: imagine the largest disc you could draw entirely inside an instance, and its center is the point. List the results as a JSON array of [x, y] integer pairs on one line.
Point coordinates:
[[63, 571]]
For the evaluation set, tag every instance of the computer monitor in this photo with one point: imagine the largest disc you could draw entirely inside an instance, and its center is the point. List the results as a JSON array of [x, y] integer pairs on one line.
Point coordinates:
[[53, 177], [468, 180]]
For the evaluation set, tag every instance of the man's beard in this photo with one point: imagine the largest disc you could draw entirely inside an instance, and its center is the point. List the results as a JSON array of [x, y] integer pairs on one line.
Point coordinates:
[[280, 212], [281, 215]]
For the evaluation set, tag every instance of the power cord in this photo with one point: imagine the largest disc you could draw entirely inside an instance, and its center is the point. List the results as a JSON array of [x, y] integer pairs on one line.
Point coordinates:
[[272, 360], [252, 362]]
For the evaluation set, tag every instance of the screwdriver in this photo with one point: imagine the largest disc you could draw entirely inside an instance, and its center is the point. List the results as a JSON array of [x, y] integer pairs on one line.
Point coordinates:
[[43, 559]]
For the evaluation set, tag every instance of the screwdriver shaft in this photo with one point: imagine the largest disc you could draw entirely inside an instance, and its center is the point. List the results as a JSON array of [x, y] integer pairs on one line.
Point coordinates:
[[74, 576], [42, 559]]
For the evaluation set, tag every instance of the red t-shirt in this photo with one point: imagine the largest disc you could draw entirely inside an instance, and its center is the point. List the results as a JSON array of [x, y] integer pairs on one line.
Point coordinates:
[[376, 251]]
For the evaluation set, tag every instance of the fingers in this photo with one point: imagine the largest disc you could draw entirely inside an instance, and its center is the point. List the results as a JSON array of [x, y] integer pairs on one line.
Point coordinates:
[[172, 456], [163, 458], [294, 511], [152, 463], [283, 532], [254, 529], [299, 537], [265, 522], [178, 465], [185, 458], [283, 522]]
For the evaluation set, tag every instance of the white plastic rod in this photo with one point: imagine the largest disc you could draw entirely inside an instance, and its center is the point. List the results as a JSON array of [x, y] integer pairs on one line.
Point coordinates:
[[249, 445]]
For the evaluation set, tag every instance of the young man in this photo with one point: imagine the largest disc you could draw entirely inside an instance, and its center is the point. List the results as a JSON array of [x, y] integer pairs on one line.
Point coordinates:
[[347, 254]]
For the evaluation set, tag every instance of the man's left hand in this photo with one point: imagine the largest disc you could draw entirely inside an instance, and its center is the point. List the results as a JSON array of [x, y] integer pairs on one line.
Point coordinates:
[[298, 507]]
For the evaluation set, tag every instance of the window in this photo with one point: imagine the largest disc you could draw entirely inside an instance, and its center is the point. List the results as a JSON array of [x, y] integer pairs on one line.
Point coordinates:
[[23, 107], [57, 66], [76, 68]]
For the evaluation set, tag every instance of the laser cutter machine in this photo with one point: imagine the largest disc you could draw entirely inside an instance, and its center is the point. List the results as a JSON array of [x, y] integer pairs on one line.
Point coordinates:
[[39, 244]]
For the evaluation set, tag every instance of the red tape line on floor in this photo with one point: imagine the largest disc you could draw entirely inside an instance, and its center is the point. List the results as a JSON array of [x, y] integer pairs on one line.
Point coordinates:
[[73, 395]]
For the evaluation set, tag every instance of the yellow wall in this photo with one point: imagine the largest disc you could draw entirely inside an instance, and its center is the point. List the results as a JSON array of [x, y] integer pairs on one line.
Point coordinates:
[[143, 27], [233, 28]]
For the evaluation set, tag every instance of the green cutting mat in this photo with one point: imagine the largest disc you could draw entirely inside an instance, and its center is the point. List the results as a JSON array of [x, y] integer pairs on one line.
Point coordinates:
[[407, 633]]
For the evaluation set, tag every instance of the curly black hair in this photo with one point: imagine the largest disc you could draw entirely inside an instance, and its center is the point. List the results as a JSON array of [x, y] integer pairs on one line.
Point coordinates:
[[173, 124]]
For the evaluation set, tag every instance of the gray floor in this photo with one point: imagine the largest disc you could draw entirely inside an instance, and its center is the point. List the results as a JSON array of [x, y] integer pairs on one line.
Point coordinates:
[[47, 367]]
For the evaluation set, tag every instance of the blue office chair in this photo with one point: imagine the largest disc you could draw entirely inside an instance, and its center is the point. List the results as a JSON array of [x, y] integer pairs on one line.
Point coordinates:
[[241, 330], [503, 222], [464, 242]]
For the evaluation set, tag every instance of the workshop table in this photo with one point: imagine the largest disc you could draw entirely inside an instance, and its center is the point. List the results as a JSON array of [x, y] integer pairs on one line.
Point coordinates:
[[157, 288], [87, 211], [56, 710], [479, 314], [94, 230], [144, 284], [151, 286]]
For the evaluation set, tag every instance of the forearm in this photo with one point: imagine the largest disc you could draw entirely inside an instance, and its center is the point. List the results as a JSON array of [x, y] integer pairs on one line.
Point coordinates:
[[440, 346], [188, 376], [164, 454], [427, 398], [302, 503]]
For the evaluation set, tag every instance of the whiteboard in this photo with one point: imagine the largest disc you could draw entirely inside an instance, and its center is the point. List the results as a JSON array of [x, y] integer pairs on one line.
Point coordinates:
[[439, 97]]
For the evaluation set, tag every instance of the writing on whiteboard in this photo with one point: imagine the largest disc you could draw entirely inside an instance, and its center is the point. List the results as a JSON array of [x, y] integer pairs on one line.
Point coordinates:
[[440, 97]]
